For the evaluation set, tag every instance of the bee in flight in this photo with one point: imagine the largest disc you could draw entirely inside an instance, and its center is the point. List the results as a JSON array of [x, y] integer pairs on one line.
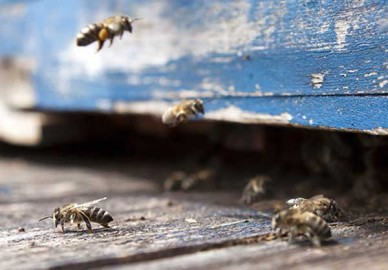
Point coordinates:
[[108, 29], [182, 112], [76, 213], [294, 222], [319, 205]]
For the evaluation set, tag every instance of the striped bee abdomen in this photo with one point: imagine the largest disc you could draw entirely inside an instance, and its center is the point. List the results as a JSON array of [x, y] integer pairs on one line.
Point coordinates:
[[98, 215], [320, 227], [89, 34]]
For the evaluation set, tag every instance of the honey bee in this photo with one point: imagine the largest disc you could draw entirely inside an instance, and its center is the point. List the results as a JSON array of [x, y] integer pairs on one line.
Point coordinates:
[[200, 179], [255, 189], [181, 181], [76, 213], [319, 205], [294, 222], [108, 29], [182, 112], [174, 181]]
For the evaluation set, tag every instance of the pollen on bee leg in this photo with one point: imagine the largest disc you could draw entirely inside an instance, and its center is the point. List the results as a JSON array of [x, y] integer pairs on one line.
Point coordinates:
[[103, 34]]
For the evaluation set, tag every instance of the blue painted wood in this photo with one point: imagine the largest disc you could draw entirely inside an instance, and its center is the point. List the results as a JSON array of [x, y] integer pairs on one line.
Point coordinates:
[[325, 60]]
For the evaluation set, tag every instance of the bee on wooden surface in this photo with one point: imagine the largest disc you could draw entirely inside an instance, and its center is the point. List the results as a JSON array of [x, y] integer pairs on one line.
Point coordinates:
[[200, 179], [294, 222], [174, 181], [108, 29], [255, 190], [181, 181], [76, 213], [319, 205], [182, 112]]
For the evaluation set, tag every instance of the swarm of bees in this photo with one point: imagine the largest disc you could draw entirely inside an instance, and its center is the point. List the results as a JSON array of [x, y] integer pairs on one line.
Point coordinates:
[[182, 112], [76, 213], [255, 190], [107, 29], [180, 180], [307, 217]]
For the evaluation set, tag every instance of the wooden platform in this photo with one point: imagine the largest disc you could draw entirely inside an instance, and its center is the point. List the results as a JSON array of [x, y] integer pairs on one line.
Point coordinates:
[[156, 230]]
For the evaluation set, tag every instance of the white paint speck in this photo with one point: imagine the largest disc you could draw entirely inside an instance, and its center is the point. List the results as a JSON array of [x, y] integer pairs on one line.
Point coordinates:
[[317, 80], [235, 114], [142, 107], [370, 74], [104, 104], [352, 70], [383, 83], [341, 30], [378, 131], [311, 121]]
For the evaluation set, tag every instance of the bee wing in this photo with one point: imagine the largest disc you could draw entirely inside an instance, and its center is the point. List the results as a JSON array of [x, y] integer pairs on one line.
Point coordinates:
[[317, 197], [292, 202], [113, 26], [86, 204]]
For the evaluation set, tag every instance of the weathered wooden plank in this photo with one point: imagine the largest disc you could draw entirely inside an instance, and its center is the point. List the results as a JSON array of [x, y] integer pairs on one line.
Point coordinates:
[[196, 48], [200, 226], [351, 113]]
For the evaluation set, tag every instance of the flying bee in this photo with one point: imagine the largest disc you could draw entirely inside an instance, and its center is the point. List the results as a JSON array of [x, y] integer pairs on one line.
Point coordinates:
[[76, 213], [321, 206], [294, 222], [255, 190], [182, 112], [108, 29]]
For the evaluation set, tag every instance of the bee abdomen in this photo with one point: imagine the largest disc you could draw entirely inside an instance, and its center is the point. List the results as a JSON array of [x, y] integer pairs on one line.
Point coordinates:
[[322, 229], [89, 34], [98, 215]]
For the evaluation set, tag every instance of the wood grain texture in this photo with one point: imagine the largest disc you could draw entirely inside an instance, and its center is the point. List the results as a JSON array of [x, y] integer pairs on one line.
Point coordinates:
[[178, 231]]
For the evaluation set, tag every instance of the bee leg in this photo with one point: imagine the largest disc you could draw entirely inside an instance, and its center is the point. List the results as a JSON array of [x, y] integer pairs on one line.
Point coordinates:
[[86, 219], [102, 36], [105, 225], [100, 45], [87, 222], [314, 239], [121, 34], [291, 236], [63, 225], [181, 118], [278, 233], [78, 226], [111, 41]]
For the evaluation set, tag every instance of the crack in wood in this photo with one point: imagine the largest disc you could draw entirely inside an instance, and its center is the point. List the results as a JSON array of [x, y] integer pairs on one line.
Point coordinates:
[[165, 253]]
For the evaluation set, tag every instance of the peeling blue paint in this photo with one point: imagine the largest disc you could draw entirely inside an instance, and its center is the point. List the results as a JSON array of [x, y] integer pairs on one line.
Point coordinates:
[[271, 57]]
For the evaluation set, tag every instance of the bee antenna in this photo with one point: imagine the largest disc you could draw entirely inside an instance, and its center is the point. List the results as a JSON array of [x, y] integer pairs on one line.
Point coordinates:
[[135, 19], [206, 100], [44, 218]]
